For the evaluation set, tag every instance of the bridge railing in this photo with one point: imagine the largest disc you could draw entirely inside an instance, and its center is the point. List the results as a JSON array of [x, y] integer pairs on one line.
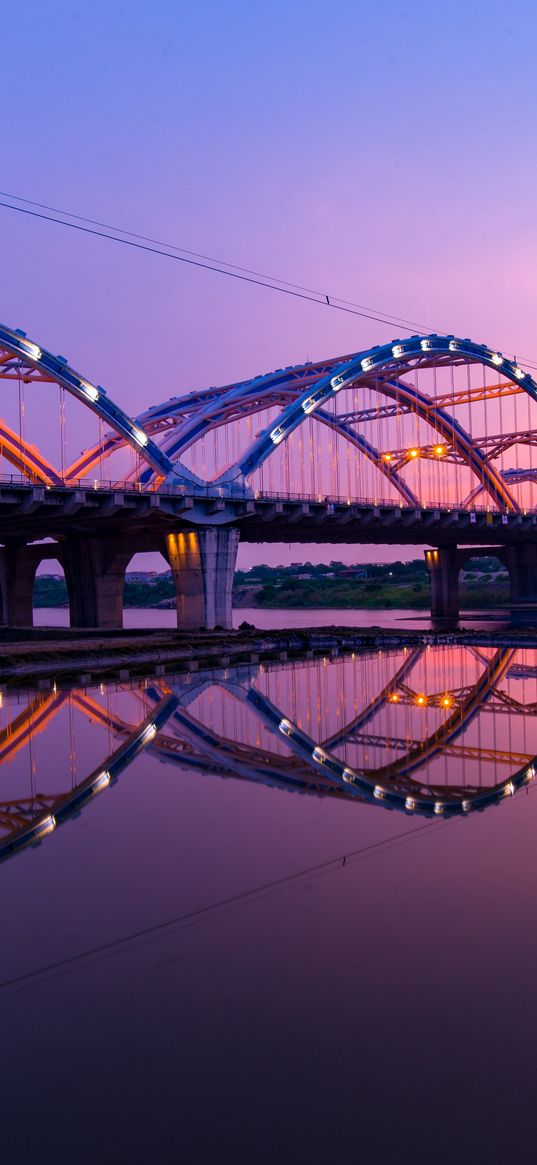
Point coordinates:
[[213, 492]]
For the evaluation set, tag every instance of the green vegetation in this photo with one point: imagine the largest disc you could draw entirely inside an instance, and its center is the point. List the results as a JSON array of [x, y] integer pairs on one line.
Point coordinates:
[[50, 591], [484, 583]]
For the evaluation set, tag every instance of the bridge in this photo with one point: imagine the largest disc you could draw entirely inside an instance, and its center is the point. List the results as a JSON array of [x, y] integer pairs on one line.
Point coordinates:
[[424, 441], [423, 732]]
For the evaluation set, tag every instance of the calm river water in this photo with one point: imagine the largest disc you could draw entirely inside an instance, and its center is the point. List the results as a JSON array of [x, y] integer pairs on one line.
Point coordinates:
[[281, 914], [279, 617]]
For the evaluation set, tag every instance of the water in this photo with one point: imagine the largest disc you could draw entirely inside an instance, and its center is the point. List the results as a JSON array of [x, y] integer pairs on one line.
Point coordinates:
[[267, 619], [309, 976]]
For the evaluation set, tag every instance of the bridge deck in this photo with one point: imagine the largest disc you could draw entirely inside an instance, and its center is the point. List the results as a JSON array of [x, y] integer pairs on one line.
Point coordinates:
[[35, 512]]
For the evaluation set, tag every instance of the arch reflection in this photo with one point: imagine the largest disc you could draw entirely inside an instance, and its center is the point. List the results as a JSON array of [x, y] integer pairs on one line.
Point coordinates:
[[434, 732]]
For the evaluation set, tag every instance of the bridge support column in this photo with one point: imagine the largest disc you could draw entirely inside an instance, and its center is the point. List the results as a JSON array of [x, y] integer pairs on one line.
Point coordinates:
[[521, 563], [95, 574], [18, 564], [443, 567], [202, 562]]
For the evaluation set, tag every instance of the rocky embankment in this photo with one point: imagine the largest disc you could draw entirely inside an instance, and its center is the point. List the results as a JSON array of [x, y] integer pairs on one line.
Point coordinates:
[[44, 655]]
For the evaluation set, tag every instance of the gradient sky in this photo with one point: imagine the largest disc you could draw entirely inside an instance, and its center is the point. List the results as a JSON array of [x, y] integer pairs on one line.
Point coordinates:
[[382, 153]]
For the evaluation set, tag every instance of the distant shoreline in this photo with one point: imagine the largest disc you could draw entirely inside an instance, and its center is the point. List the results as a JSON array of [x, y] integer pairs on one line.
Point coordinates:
[[401, 586]]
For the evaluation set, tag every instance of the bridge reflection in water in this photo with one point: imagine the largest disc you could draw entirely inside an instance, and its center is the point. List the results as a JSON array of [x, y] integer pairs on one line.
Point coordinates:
[[432, 731]]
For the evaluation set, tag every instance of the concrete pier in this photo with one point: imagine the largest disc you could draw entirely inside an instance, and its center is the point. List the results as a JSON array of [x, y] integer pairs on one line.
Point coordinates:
[[95, 575], [443, 565], [202, 563], [18, 565]]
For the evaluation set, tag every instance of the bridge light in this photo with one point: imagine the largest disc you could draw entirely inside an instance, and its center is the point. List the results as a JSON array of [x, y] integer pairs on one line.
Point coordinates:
[[89, 390], [439, 450], [32, 349], [378, 792], [140, 436], [386, 456], [497, 359], [348, 776], [509, 789], [46, 826], [394, 698], [413, 453], [425, 345], [438, 807], [421, 701], [519, 372], [410, 804], [277, 435], [148, 733], [530, 773], [101, 782], [309, 404], [285, 727], [453, 347], [466, 806], [337, 382], [366, 364], [319, 756], [446, 702], [398, 351]]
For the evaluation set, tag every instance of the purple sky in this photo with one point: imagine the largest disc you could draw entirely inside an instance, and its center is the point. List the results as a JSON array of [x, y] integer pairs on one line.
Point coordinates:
[[383, 153]]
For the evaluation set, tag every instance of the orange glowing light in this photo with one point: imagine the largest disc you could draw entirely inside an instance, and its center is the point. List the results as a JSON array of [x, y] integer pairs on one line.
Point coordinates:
[[446, 702], [394, 698], [413, 453], [387, 457], [420, 700], [439, 450]]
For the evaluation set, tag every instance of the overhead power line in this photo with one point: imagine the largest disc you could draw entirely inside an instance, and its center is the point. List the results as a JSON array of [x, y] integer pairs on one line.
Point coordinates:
[[333, 299], [219, 266], [237, 273], [188, 918]]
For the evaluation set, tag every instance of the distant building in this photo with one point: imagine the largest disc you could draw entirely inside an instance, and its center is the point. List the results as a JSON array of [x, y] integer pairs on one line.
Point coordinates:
[[142, 576]]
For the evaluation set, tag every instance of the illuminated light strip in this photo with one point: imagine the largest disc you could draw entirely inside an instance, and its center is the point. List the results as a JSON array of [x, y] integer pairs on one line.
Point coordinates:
[[91, 392], [148, 733], [257, 452], [141, 437], [31, 350], [45, 826], [309, 405], [101, 782], [71, 805], [285, 727], [391, 798], [60, 371]]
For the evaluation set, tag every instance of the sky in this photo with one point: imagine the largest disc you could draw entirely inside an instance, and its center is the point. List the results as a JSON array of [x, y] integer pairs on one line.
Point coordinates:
[[382, 153]]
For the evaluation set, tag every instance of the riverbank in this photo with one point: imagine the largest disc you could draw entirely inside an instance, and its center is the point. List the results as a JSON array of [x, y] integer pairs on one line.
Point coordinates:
[[46, 655]]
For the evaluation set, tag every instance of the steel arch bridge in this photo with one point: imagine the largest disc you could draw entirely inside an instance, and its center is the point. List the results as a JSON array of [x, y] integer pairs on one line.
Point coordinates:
[[173, 721], [436, 430], [392, 376]]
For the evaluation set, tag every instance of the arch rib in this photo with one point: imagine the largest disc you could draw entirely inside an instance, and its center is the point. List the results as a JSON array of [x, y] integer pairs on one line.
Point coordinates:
[[388, 362], [95, 398]]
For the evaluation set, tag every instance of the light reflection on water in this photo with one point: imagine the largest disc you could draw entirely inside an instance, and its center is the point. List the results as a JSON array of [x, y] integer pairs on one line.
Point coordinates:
[[427, 731], [222, 950]]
